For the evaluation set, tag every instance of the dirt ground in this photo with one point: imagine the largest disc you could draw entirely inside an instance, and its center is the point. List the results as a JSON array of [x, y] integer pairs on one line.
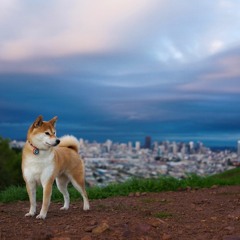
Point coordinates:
[[187, 214]]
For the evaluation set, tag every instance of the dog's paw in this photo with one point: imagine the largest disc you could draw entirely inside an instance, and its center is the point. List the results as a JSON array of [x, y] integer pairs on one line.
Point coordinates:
[[29, 214], [64, 208], [86, 207], [41, 216]]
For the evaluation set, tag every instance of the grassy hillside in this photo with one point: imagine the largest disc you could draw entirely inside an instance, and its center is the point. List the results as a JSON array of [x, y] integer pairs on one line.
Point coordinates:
[[231, 177]]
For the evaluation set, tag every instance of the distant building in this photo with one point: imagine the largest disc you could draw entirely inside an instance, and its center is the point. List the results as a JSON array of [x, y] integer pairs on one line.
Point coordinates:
[[81, 142], [238, 150], [130, 146], [191, 146], [155, 146], [147, 142], [174, 148], [137, 145], [108, 144]]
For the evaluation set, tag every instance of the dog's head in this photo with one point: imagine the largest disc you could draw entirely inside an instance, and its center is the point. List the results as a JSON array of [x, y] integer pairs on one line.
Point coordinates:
[[42, 134]]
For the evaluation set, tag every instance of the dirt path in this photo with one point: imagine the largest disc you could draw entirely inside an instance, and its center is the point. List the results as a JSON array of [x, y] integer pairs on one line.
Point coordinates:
[[193, 214]]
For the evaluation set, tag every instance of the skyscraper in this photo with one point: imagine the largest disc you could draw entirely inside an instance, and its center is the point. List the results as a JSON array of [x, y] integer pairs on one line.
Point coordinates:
[[191, 146], [137, 145], [148, 142], [109, 145], [238, 150]]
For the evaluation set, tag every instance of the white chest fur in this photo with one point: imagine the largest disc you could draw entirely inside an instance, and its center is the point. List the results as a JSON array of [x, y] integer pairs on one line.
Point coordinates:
[[39, 168]]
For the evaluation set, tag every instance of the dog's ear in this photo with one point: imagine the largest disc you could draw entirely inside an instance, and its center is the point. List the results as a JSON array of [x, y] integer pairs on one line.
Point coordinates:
[[38, 122], [53, 121]]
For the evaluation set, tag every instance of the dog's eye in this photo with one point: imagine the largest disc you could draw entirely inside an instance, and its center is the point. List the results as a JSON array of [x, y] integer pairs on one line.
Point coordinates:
[[47, 133]]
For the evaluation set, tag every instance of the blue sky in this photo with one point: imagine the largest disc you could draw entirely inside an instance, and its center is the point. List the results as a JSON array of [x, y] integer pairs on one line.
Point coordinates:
[[122, 69]]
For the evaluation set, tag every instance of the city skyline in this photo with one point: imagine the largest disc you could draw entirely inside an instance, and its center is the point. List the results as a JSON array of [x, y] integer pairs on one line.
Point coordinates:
[[122, 70], [111, 162]]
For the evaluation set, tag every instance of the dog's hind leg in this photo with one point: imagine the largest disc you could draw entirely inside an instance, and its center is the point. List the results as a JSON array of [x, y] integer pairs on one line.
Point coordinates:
[[62, 183], [78, 182]]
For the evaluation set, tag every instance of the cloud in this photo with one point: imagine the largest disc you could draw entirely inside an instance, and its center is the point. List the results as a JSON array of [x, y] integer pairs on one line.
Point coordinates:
[[61, 28], [7, 7], [170, 30], [144, 64], [219, 73], [216, 46]]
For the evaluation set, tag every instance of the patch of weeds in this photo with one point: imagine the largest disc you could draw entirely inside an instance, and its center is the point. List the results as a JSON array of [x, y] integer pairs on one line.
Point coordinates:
[[121, 207], [152, 200], [101, 207], [149, 200], [230, 177], [228, 193], [164, 201], [162, 215]]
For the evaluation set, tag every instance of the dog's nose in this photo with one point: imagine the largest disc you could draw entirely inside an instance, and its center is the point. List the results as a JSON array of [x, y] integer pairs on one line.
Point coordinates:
[[57, 141]]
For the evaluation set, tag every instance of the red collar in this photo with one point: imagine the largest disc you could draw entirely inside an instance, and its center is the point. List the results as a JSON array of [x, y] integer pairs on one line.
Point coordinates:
[[35, 149]]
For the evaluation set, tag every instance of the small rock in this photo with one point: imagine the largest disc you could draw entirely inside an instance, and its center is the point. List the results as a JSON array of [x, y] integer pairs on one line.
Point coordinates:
[[60, 238], [131, 195], [101, 228], [89, 228], [46, 235], [214, 218], [230, 229], [188, 226], [126, 231], [145, 238], [214, 186], [93, 222], [137, 194], [166, 236], [86, 237], [180, 232], [143, 228], [67, 227], [154, 222], [147, 212], [231, 238], [193, 205]]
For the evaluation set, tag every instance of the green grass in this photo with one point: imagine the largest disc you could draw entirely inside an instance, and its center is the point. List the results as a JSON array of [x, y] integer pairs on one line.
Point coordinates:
[[231, 177], [162, 215]]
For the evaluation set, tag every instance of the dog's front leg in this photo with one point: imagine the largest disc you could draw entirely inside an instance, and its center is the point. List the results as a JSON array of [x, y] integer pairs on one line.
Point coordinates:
[[47, 192], [31, 189]]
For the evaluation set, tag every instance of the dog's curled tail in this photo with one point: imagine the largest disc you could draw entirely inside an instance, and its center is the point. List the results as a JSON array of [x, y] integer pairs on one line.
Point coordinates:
[[70, 142]]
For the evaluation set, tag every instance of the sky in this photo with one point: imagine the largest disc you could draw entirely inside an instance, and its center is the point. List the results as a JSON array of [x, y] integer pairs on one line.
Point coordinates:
[[122, 70]]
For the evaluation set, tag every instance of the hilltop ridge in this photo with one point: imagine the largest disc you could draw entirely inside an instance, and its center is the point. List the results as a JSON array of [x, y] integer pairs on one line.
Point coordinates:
[[209, 213]]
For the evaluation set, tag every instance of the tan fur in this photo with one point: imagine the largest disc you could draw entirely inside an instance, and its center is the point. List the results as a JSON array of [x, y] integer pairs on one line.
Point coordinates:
[[61, 162], [70, 142]]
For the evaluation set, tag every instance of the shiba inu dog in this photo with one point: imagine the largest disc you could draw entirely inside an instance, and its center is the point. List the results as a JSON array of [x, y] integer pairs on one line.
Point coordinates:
[[46, 158]]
